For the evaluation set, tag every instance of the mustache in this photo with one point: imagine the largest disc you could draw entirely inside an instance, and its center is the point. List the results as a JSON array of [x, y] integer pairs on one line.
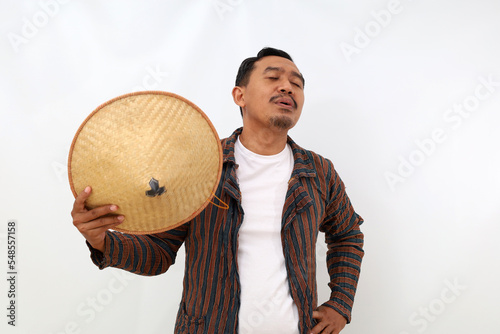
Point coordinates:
[[280, 96]]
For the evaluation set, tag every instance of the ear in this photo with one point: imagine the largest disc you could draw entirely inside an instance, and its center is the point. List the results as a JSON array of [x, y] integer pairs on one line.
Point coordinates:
[[238, 96]]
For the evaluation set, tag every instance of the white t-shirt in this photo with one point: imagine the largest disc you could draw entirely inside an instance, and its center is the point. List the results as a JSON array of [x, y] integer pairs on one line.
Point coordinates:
[[266, 303]]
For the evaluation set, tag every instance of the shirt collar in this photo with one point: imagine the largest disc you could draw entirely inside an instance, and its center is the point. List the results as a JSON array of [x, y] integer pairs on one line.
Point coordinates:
[[303, 164]]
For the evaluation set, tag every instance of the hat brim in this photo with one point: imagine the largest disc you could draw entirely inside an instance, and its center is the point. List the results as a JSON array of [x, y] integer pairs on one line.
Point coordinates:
[[154, 154]]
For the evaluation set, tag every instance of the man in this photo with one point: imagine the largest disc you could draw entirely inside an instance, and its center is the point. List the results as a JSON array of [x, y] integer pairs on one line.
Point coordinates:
[[251, 268]]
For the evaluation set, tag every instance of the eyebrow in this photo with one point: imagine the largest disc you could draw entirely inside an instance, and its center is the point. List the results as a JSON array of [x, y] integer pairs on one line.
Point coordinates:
[[280, 69]]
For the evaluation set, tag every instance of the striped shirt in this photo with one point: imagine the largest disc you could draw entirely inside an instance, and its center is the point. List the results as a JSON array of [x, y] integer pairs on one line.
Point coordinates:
[[315, 201]]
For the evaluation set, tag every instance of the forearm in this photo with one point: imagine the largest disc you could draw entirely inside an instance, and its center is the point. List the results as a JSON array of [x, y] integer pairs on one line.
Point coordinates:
[[344, 258], [140, 254]]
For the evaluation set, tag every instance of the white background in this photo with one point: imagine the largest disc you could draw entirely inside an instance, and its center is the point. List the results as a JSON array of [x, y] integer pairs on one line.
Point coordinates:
[[377, 87]]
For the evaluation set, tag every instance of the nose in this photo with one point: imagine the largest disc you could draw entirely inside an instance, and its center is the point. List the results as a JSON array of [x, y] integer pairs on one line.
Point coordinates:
[[286, 87]]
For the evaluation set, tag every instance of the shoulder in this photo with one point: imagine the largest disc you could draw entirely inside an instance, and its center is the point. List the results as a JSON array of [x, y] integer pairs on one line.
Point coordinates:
[[312, 160]]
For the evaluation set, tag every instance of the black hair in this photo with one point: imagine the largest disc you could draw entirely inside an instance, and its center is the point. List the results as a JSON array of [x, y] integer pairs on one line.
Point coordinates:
[[247, 65]]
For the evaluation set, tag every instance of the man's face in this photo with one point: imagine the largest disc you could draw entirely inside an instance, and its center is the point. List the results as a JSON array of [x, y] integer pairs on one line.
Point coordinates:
[[274, 95]]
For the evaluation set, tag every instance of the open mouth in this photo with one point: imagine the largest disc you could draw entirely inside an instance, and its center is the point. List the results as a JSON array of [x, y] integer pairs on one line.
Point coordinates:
[[284, 102]]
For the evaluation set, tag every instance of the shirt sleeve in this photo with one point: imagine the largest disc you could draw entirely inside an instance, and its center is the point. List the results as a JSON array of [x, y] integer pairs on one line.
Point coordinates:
[[146, 255], [345, 247]]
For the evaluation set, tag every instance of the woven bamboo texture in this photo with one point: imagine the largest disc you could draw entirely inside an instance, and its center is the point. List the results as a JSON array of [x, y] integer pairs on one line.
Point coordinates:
[[134, 138]]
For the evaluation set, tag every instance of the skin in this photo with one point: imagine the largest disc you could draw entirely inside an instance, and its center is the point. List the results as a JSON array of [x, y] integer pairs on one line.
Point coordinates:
[[94, 223], [271, 77], [271, 104], [329, 321]]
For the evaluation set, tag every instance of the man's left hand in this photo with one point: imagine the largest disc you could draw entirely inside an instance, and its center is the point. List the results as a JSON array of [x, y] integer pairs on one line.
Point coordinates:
[[329, 321]]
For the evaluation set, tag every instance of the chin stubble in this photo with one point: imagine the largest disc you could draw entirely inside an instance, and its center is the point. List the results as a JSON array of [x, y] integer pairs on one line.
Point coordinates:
[[281, 122]]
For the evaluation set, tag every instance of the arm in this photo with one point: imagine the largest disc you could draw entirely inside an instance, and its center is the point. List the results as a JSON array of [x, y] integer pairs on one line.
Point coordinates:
[[345, 252], [145, 254]]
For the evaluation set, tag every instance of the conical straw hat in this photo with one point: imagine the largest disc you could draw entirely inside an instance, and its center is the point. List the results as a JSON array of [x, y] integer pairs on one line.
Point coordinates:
[[154, 154]]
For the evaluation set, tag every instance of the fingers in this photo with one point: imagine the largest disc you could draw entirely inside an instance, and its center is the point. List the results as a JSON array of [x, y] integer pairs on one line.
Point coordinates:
[[93, 224], [79, 205], [328, 321], [318, 328], [99, 224], [324, 329], [80, 213], [94, 230], [94, 214], [320, 325], [99, 218]]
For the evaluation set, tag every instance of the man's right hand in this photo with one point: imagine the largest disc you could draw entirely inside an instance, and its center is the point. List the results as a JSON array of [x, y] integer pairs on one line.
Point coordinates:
[[94, 223]]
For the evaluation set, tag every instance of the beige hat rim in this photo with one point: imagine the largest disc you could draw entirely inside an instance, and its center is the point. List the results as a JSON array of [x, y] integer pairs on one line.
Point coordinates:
[[169, 94]]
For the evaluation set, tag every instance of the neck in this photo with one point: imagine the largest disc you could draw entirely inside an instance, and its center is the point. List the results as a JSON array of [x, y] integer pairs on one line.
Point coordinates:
[[264, 141]]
